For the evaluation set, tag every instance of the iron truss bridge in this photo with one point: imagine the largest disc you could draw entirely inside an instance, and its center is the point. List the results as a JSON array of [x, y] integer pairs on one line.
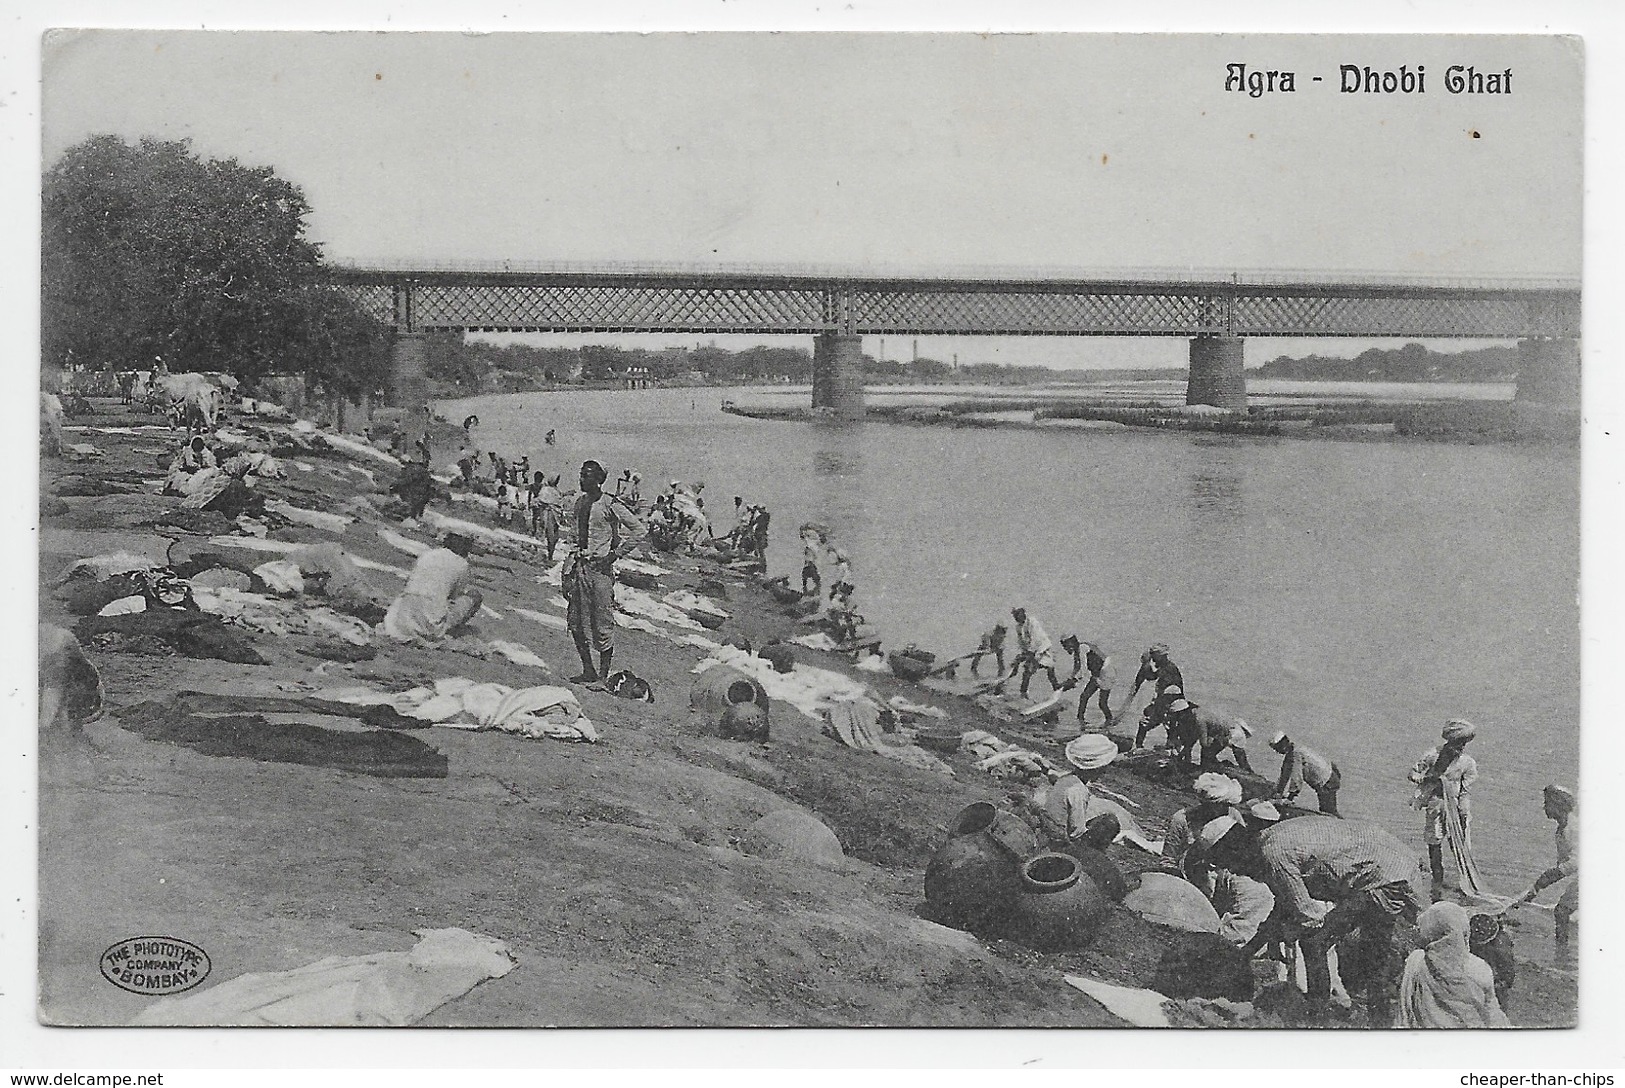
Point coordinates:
[[652, 299]]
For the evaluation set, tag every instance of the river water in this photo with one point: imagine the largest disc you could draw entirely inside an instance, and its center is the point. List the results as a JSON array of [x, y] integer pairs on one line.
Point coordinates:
[[1355, 594]]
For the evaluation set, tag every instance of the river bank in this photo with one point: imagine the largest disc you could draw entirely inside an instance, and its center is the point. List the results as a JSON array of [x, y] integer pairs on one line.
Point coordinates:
[[617, 872], [1347, 420]]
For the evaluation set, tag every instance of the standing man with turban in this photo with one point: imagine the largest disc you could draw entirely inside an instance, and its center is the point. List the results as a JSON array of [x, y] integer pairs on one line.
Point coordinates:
[[1444, 777], [605, 531], [1559, 804]]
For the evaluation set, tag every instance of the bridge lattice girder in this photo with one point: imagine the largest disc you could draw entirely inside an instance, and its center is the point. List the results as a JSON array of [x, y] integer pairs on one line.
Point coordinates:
[[575, 303]]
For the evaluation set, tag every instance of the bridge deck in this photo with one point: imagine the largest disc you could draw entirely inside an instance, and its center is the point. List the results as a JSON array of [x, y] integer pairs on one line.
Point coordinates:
[[648, 299]]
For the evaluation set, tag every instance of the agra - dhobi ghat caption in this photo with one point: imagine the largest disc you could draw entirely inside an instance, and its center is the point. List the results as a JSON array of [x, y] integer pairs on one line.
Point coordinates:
[[976, 530]]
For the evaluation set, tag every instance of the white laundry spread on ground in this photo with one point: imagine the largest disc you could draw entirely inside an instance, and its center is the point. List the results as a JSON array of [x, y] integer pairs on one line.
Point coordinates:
[[808, 689], [283, 576], [460, 703], [874, 663], [255, 544], [385, 989], [401, 543], [518, 653], [638, 603], [373, 564], [1142, 1008], [903, 706], [544, 618], [688, 601], [111, 563], [502, 539], [316, 519], [818, 640], [639, 566], [136, 602], [356, 446], [271, 616]]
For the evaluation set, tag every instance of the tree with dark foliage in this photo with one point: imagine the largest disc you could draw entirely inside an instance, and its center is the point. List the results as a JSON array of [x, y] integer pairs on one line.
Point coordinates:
[[150, 251]]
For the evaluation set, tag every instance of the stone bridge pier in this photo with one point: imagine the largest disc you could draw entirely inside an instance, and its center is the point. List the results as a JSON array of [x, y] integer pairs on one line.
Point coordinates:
[[1549, 372], [837, 374], [1216, 375], [408, 387]]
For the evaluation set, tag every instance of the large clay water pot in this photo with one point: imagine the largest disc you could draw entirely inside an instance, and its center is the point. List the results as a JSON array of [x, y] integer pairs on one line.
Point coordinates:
[[719, 687], [1100, 868], [1059, 907], [975, 876]]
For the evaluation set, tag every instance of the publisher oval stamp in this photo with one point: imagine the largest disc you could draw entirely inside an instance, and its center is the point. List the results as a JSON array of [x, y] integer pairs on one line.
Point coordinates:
[[155, 965]]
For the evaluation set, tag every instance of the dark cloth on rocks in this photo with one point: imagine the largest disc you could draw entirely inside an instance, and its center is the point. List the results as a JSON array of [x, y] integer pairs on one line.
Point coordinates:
[[372, 752], [189, 633]]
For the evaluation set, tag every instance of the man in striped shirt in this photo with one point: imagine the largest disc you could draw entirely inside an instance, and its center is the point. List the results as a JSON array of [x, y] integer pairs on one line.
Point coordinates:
[[1302, 766], [1331, 877]]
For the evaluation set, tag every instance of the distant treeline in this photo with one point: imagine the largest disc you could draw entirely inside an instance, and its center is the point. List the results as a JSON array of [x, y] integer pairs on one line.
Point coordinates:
[[1411, 363], [469, 366]]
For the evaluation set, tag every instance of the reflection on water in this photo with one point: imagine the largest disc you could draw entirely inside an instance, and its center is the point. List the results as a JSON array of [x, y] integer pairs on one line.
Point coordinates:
[[838, 462], [1355, 594], [1216, 492]]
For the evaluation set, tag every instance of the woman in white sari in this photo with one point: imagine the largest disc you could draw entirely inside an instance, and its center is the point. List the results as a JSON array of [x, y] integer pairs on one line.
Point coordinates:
[[1445, 985]]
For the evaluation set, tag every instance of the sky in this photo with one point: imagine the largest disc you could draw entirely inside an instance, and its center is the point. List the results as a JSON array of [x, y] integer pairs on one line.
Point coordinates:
[[917, 152]]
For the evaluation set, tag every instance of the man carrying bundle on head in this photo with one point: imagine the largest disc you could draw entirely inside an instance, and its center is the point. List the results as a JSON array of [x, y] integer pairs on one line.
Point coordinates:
[[605, 531]]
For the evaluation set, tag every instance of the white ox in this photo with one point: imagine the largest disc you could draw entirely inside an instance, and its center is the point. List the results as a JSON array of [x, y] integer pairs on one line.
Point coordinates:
[[197, 398]]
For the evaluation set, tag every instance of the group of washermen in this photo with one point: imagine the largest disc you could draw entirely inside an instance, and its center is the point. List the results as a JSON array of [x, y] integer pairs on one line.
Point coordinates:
[[1307, 885]]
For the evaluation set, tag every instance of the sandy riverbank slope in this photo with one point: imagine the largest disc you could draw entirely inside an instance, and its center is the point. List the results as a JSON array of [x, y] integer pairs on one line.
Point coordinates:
[[613, 871]]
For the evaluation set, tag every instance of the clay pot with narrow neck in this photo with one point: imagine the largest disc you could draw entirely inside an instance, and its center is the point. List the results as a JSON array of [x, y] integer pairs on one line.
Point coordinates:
[[974, 876]]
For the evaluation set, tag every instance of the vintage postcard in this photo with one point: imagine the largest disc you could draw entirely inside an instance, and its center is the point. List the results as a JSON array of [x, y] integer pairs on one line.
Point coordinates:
[[822, 530]]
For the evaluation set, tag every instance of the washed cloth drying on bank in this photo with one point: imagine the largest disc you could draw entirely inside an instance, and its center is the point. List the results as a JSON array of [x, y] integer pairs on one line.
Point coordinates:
[[808, 689], [1140, 1007], [818, 640], [856, 723], [545, 619], [873, 663], [636, 602], [921, 710], [272, 616], [316, 519], [385, 989], [460, 703]]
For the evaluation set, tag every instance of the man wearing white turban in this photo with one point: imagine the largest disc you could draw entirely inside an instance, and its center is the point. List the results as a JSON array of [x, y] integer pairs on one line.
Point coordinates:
[[1062, 809], [1444, 776], [1219, 795]]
